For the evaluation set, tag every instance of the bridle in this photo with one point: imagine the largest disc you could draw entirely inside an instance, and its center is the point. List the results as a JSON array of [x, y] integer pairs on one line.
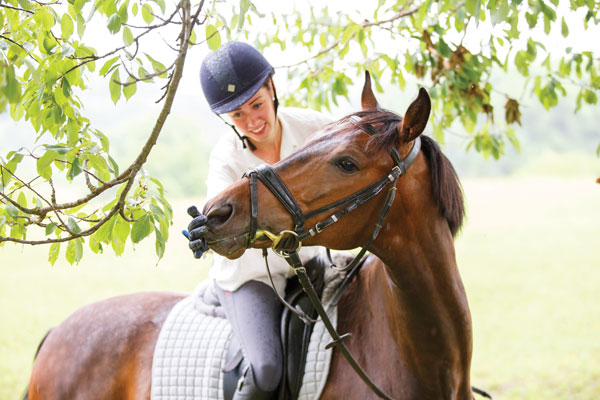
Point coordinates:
[[267, 175], [287, 243]]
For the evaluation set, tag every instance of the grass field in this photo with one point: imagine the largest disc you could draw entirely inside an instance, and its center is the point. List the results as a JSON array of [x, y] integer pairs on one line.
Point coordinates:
[[528, 254]]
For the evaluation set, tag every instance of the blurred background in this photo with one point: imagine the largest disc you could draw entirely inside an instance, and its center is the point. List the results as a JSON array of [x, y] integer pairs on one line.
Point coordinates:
[[528, 253]]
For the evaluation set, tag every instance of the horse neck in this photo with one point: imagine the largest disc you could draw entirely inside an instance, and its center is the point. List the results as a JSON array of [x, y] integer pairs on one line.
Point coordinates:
[[425, 304]]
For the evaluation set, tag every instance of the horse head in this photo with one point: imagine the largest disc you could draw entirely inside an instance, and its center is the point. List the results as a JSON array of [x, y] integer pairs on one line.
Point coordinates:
[[336, 163]]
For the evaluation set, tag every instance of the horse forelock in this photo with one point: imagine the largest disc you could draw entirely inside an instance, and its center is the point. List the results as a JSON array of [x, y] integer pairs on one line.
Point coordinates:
[[445, 186]]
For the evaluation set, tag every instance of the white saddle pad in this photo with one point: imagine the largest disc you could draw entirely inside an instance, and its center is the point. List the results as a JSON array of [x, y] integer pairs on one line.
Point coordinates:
[[190, 352]]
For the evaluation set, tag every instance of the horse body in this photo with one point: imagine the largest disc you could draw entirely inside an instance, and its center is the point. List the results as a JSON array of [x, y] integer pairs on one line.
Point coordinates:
[[102, 351]]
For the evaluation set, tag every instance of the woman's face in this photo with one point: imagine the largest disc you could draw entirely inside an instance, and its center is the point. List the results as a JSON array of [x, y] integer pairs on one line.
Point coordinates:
[[256, 118]]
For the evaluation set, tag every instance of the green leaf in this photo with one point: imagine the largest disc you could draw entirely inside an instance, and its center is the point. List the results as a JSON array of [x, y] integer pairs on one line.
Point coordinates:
[[127, 36], [134, 9], [74, 170], [119, 236], [159, 243], [58, 148], [590, 97], [107, 65], [244, 5], [50, 228], [444, 49], [95, 245], [100, 165], [104, 233], [114, 86], [74, 251], [564, 28], [213, 38], [114, 166], [44, 168], [11, 210], [11, 166], [157, 66], [66, 26], [73, 225], [532, 19], [53, 253], [114, 23], [22, 200], [123, 12], [141, 229], [129, 90], [46, 18], [12, 89], [147, 13], [78, 249]]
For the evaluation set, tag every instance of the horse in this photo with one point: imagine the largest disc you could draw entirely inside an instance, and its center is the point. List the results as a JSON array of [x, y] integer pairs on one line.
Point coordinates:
[[406, 309]]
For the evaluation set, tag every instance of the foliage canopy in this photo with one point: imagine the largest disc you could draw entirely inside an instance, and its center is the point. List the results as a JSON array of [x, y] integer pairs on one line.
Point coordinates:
[[47, 60]]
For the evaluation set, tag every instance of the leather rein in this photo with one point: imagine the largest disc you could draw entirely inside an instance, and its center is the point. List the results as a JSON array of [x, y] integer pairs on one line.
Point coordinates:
[[287, 243]]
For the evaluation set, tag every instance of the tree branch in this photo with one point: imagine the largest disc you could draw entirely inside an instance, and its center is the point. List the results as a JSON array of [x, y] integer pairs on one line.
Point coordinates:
[[129, 174], [17, 9], [364, 24]]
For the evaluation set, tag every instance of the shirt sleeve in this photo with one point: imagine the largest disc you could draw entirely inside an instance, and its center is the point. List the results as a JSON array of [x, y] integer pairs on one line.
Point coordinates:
[[221, 174]]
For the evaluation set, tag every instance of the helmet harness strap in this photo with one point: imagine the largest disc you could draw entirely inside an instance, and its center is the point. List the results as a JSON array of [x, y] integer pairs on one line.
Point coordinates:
[[244, 139]]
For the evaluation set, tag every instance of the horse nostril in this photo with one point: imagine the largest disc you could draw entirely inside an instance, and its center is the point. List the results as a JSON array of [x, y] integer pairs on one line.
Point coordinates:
[[218, 216]]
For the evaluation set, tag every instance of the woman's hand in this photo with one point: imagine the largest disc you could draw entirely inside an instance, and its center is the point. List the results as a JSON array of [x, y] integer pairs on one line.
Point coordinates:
[[196, 231]]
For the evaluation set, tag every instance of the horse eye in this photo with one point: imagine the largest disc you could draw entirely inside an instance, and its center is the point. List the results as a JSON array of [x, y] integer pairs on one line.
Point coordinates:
[[347, 166]]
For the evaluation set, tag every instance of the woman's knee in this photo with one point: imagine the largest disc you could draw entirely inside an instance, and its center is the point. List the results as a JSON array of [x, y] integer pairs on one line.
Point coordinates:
[[267, 375]]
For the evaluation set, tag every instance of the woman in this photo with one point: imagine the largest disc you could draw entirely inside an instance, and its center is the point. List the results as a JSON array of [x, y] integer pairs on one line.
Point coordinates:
[[237, 81]]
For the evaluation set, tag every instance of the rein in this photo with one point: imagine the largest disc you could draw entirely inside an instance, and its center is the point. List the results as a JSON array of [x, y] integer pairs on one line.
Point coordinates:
[[287, 243]]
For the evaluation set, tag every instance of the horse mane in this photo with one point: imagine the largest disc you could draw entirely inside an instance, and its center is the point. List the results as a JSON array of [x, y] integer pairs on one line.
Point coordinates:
[[445, 186]]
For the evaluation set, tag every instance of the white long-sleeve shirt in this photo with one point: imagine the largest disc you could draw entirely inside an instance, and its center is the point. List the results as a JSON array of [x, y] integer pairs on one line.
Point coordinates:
[[228, 162]]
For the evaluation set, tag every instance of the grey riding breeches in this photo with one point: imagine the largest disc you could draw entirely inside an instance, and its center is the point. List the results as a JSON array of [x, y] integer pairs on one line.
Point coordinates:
[[255, 312]]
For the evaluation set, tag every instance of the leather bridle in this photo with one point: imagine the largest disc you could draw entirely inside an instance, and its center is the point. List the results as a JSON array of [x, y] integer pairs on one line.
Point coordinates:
[[288, 242], [267, 175]]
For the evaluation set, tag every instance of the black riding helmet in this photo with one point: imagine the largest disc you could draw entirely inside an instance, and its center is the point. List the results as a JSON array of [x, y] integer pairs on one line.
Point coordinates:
[[231, 75]]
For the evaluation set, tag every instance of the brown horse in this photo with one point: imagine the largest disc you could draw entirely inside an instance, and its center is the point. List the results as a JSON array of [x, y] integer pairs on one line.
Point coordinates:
[[406, 310]]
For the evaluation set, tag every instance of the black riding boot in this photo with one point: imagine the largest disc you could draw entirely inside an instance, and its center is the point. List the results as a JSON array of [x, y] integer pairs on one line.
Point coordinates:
[[247, 390]]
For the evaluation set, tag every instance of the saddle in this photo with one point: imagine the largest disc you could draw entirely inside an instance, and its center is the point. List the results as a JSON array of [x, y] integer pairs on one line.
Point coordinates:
[[295, 337]]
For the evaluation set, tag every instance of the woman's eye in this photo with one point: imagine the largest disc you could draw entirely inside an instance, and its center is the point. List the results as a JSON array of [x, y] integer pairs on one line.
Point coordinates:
[[257, 105], [347, 166]]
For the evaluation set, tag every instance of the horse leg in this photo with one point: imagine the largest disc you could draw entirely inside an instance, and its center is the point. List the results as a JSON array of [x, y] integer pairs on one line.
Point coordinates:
[[102, 351]]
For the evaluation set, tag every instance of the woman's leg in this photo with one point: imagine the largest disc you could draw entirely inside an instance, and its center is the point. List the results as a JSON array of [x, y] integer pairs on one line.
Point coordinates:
[[255, 312]]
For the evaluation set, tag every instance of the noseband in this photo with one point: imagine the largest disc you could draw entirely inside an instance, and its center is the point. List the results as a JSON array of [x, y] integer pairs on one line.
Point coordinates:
[[287, 243]]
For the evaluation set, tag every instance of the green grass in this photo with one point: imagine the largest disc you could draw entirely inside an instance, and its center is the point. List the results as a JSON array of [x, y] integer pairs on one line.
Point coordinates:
[[528, 255], [529, 259]]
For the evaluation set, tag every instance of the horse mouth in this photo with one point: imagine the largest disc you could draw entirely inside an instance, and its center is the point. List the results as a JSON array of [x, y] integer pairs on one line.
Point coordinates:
[[231, 247]]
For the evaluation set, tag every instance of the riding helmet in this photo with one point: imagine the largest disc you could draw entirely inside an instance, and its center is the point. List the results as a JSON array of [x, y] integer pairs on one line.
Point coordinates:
[[232, 74]]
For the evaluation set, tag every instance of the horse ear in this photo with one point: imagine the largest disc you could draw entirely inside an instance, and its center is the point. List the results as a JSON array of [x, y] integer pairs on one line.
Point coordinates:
[[367, 99], [415, 118]]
